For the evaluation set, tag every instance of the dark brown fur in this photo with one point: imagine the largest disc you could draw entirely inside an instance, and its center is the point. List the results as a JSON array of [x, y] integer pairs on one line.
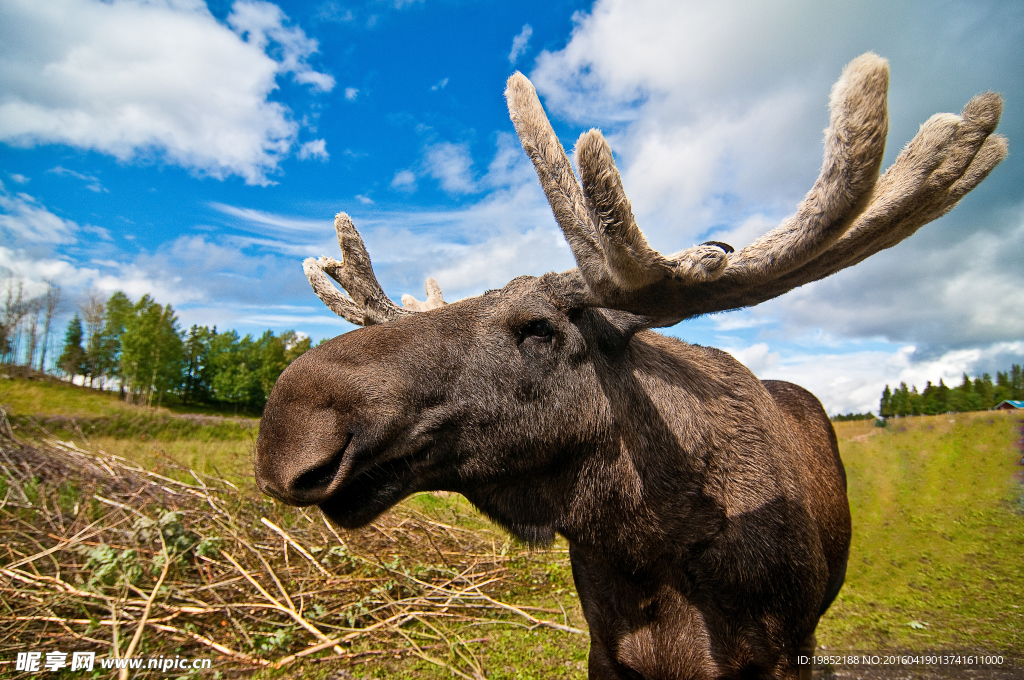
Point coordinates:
[[705, 510]]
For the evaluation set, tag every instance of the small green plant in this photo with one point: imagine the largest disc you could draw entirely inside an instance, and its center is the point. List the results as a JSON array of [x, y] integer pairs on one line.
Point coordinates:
[[339, 554], [108, 567], [272, 642], [353, 613], [68, 497], [209, 547], [176, 537]]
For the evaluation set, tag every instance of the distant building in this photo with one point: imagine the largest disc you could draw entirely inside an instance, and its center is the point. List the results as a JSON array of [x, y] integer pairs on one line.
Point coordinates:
[[1010, 405]]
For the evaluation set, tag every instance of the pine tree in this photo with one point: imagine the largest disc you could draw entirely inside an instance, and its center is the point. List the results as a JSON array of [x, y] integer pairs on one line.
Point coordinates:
[[72, 357], [885, 405]]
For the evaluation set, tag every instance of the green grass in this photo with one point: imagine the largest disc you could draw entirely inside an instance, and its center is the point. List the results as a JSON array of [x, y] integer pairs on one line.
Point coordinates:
[[80, 413], [938, 538], [56, 397]]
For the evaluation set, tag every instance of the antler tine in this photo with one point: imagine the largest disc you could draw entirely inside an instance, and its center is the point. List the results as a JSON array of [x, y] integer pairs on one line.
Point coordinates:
[[949, 156], [433, 301], [555, 173], [918, 189], [613, 256], [630, 262], [854, 145], [368, 304]]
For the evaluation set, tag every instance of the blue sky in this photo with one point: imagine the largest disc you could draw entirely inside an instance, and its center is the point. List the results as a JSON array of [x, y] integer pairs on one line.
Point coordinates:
[[199, 152]]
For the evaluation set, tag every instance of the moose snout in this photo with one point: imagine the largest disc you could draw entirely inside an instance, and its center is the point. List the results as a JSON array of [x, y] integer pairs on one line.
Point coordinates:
[[301, 465], [301, 452], [302, 477]]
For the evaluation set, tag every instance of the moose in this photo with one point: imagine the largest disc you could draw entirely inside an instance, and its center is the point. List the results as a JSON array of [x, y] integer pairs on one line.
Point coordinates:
[[705, 510]]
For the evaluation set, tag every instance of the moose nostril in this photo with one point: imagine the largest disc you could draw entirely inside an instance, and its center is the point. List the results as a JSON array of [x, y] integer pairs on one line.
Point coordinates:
[[317, 478], [311, 486], [271, 491]]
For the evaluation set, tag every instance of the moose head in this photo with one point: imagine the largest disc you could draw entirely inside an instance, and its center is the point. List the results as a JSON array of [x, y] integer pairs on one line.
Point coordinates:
[[705, 510]]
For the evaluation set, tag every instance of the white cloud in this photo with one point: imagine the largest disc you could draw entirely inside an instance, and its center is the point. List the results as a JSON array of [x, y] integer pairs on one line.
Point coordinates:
[[263, 220], [519, 43], [452, 166], [138, 79], [931, 290], [94, 183], [262, 24], [500, 259], [20, 179], [351, 93], [439, 85], [314, 149], [404, 180], [26, 221]]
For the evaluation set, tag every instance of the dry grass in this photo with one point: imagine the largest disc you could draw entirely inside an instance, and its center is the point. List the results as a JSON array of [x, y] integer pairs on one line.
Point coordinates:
[[103, 555]]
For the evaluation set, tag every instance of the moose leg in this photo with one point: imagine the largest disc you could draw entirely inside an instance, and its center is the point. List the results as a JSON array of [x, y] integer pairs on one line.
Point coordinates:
[[807, 650]]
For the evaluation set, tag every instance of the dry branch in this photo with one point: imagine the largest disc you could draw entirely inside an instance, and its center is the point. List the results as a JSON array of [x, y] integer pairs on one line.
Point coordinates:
[[81, 531]]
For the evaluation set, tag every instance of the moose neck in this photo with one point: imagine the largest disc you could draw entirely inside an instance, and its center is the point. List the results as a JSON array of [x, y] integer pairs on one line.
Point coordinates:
[[647, 483]]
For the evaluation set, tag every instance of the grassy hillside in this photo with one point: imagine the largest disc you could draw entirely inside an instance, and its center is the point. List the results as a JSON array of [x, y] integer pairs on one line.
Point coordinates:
[[203, 440], [937, 558]]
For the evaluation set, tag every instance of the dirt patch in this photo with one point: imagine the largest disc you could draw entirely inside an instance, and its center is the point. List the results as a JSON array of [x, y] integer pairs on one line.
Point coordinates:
[[1005, 672]]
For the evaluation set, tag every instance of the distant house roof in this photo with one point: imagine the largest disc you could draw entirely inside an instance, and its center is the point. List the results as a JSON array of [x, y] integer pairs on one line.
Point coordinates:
[[1010, 404]]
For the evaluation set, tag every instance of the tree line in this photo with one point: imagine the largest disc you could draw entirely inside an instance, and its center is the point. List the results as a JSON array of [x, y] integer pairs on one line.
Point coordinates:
[[139, 347], [971, 395]]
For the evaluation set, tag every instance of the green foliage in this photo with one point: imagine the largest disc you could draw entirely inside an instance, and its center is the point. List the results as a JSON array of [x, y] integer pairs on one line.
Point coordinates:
[[117, 313], [176, 537], [109, 567], [209, 547], [72, 357], [976, 395], [241, 372], [151, 352], [852, 416], [273, 642], [140, 345]]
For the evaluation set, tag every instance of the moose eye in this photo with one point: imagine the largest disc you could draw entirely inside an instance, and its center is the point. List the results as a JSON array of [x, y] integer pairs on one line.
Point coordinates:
[[539, 328]]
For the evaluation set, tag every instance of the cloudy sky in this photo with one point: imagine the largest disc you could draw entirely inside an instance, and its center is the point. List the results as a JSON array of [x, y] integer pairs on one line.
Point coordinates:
[[198, 152]]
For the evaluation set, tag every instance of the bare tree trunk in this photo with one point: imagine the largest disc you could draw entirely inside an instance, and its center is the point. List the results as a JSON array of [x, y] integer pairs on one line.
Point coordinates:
[[33, 336], [14, 310], [92, 314], [52, 299]]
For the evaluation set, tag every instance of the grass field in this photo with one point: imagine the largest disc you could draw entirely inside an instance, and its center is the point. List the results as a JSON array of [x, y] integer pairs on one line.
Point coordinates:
[[938, 535], [937, 560]]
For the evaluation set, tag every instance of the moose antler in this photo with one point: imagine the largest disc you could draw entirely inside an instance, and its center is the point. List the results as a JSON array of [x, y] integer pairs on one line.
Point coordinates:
[[848, 215], [368, 303]]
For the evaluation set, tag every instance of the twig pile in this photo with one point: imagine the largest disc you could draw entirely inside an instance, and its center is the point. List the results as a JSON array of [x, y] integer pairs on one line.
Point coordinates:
[[102, 555]]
